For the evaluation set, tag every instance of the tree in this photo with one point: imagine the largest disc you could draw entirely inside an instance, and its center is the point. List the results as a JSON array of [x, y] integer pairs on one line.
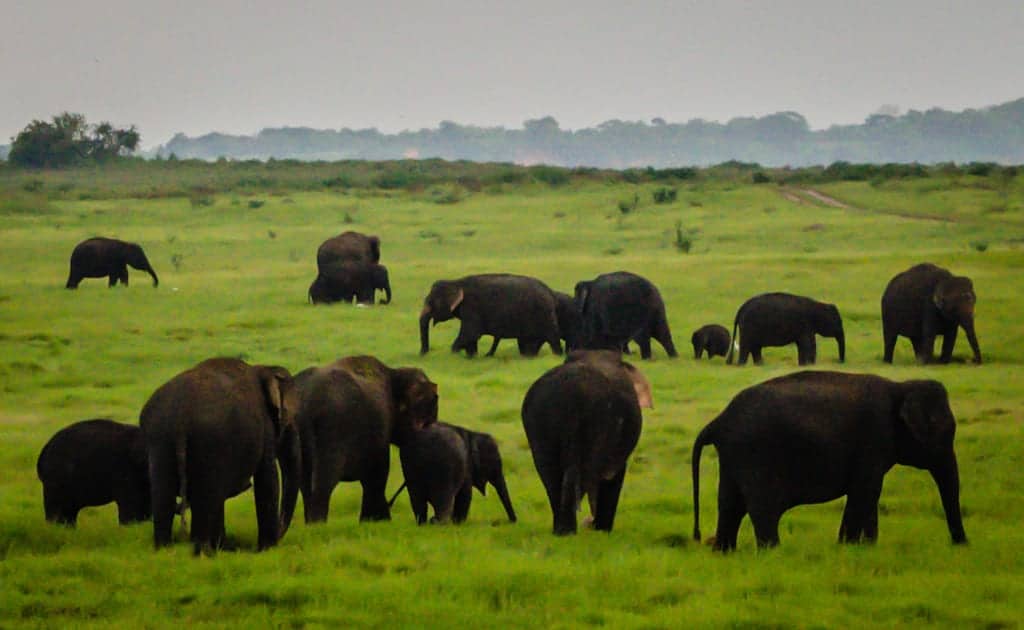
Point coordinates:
[[69, 140]]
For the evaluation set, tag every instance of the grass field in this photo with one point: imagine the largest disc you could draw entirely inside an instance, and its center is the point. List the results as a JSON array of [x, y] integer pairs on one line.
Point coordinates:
[[234, 280]]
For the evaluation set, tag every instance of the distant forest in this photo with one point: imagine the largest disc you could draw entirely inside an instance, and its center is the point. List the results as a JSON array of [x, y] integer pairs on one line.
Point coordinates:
[[992, 134]]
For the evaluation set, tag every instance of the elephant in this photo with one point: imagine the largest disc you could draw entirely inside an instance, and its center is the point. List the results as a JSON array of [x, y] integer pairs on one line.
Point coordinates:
[[570, 327], [435, 464], [500, 304], [779, 319], [95, 462], [814, 436], [484, 467], [350, 246], [350, 411], [926, 301], [582, 421], [341, 281], [98, 257], [620, 306], [211, 429], [712, 338]]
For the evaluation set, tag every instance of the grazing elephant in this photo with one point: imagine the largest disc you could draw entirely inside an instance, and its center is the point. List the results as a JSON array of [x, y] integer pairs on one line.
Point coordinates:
[[435, 464], [484, 467], [811, 437], [779, 319], [350, 412], [342, 281], [713, 338], [498, 304], [352, 246], [99, 257], [582, 420], [211, 429], [95, 462], [570, 328], [620, 306], [926, 301]]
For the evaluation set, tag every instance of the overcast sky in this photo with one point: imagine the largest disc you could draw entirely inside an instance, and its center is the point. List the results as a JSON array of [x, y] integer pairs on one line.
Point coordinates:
[[197, 66]]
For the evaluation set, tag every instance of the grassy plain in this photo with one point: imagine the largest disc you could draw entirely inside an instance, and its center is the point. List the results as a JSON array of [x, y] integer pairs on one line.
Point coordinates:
[[233, 282]]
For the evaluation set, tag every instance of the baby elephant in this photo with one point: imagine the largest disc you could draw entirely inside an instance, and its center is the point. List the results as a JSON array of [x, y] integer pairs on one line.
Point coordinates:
[[432, 456], [713, 338], [94, 462]]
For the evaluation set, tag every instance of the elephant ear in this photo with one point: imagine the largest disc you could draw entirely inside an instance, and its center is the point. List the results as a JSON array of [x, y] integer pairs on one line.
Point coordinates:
[[456, 299], [937, 298], [475, 466], [925, 412], [581, 293], [415, 398], [279, 394], [641, 385]]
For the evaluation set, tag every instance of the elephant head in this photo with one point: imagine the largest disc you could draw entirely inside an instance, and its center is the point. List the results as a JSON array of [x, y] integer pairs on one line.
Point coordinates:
[[925, 428], [379, 277], [954, 297], [282, 401], [830, 324], [134, 256], [440, 305], [317, 291], [485, 467], [415, 402]]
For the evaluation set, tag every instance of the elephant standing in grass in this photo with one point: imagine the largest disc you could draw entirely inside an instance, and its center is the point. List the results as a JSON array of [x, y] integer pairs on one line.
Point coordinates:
[[622, 306], [351, 246], [926, 301], [351, 411], [342, 281], [570, 328], [98, 257], [95, 462], [582, 420], [713, 339], [811, 437], [212, 429], [779, 319], [499, 304]]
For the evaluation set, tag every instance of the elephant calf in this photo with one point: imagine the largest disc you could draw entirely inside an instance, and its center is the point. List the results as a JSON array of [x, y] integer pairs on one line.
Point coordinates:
[[95, 462], [811, 437], [713, 339], [779, 319], [107, 257], [435, 464]]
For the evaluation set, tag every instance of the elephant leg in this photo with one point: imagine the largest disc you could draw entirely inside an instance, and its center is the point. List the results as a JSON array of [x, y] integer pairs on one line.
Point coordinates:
[[860, 516], [550, 472], [806, 350], [462, 502], [74, 279], [755, 351], [644, 341], [948, 341], [889, 345], [744, 353], [418, 501], [608, 491], [267, 493], [925, 349], [565, 514], [375, 501], [444, 503], [529, 347], [556, 344], [207, 520], [317, 503], [467, 338], [731, 510], [766, 527], [494, 347], [123, 277], [112, 279], [163, 495], [663, 335]]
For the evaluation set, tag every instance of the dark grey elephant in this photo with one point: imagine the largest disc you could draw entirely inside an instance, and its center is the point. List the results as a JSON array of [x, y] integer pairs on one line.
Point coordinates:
[[570, 328], [811, 437], [350, 246], [211, 429], [351, 411], [779, 319], [95, 462], [435, 464], [622, 306], [926, 301], [432, 458], [713, 339], [107, 257], [499, 304], [582, 420], [347, 280]]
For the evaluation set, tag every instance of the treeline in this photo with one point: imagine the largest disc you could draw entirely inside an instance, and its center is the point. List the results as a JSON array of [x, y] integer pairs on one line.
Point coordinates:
[[993, 134]]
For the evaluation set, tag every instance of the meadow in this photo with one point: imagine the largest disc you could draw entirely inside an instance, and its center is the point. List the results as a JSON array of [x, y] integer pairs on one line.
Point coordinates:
[[235, 263]]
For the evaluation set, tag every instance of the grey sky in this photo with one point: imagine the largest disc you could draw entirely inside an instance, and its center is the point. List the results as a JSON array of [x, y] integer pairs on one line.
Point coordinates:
[[207, 65]]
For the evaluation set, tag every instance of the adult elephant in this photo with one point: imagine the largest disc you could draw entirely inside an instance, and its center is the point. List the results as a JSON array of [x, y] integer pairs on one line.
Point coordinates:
[[622, 306], [211, 429], [350, 412], [779, 319], [351, 246], [98, 257], [95, 462], [497, 304], [926, 301], [812, 437], [347, 280], [582, 421], [713, 339], [570, 328]]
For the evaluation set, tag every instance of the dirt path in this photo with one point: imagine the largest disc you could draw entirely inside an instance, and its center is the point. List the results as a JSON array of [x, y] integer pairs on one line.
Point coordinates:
[[803, 195]]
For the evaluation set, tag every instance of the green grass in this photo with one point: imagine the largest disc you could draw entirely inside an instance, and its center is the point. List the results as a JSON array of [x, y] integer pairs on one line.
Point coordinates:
[[237, 290]]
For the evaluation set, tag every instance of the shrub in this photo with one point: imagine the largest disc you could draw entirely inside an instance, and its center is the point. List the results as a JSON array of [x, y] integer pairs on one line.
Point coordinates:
[[683, 241], [664, 195], [550, 175], [625, 207], [759, 177], [256, 203]]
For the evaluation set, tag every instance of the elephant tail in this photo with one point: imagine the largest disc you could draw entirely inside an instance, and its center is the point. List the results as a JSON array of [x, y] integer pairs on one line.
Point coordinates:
[[703, 438], [180, 454], [733, 341], [398, 492]]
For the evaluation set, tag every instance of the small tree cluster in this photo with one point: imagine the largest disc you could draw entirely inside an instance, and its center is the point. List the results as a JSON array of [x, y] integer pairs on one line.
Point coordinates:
[[68, 140]]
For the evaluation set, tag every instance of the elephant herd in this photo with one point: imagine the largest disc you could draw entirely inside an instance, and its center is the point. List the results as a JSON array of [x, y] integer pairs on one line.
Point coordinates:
[[223, 426]]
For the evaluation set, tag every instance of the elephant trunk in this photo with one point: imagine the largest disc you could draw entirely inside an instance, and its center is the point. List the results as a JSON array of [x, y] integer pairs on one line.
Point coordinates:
[[156, 281], [386, 285], [425, 330], [502, 490], [841, 341], [947, 478], [968, 326], [290, 461]]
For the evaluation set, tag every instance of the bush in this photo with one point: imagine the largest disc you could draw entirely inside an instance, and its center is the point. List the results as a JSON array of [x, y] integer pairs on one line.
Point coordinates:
[[256, 203], [683, 242], [664, 195], [759, 177], [550, 175], [625, 207]]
